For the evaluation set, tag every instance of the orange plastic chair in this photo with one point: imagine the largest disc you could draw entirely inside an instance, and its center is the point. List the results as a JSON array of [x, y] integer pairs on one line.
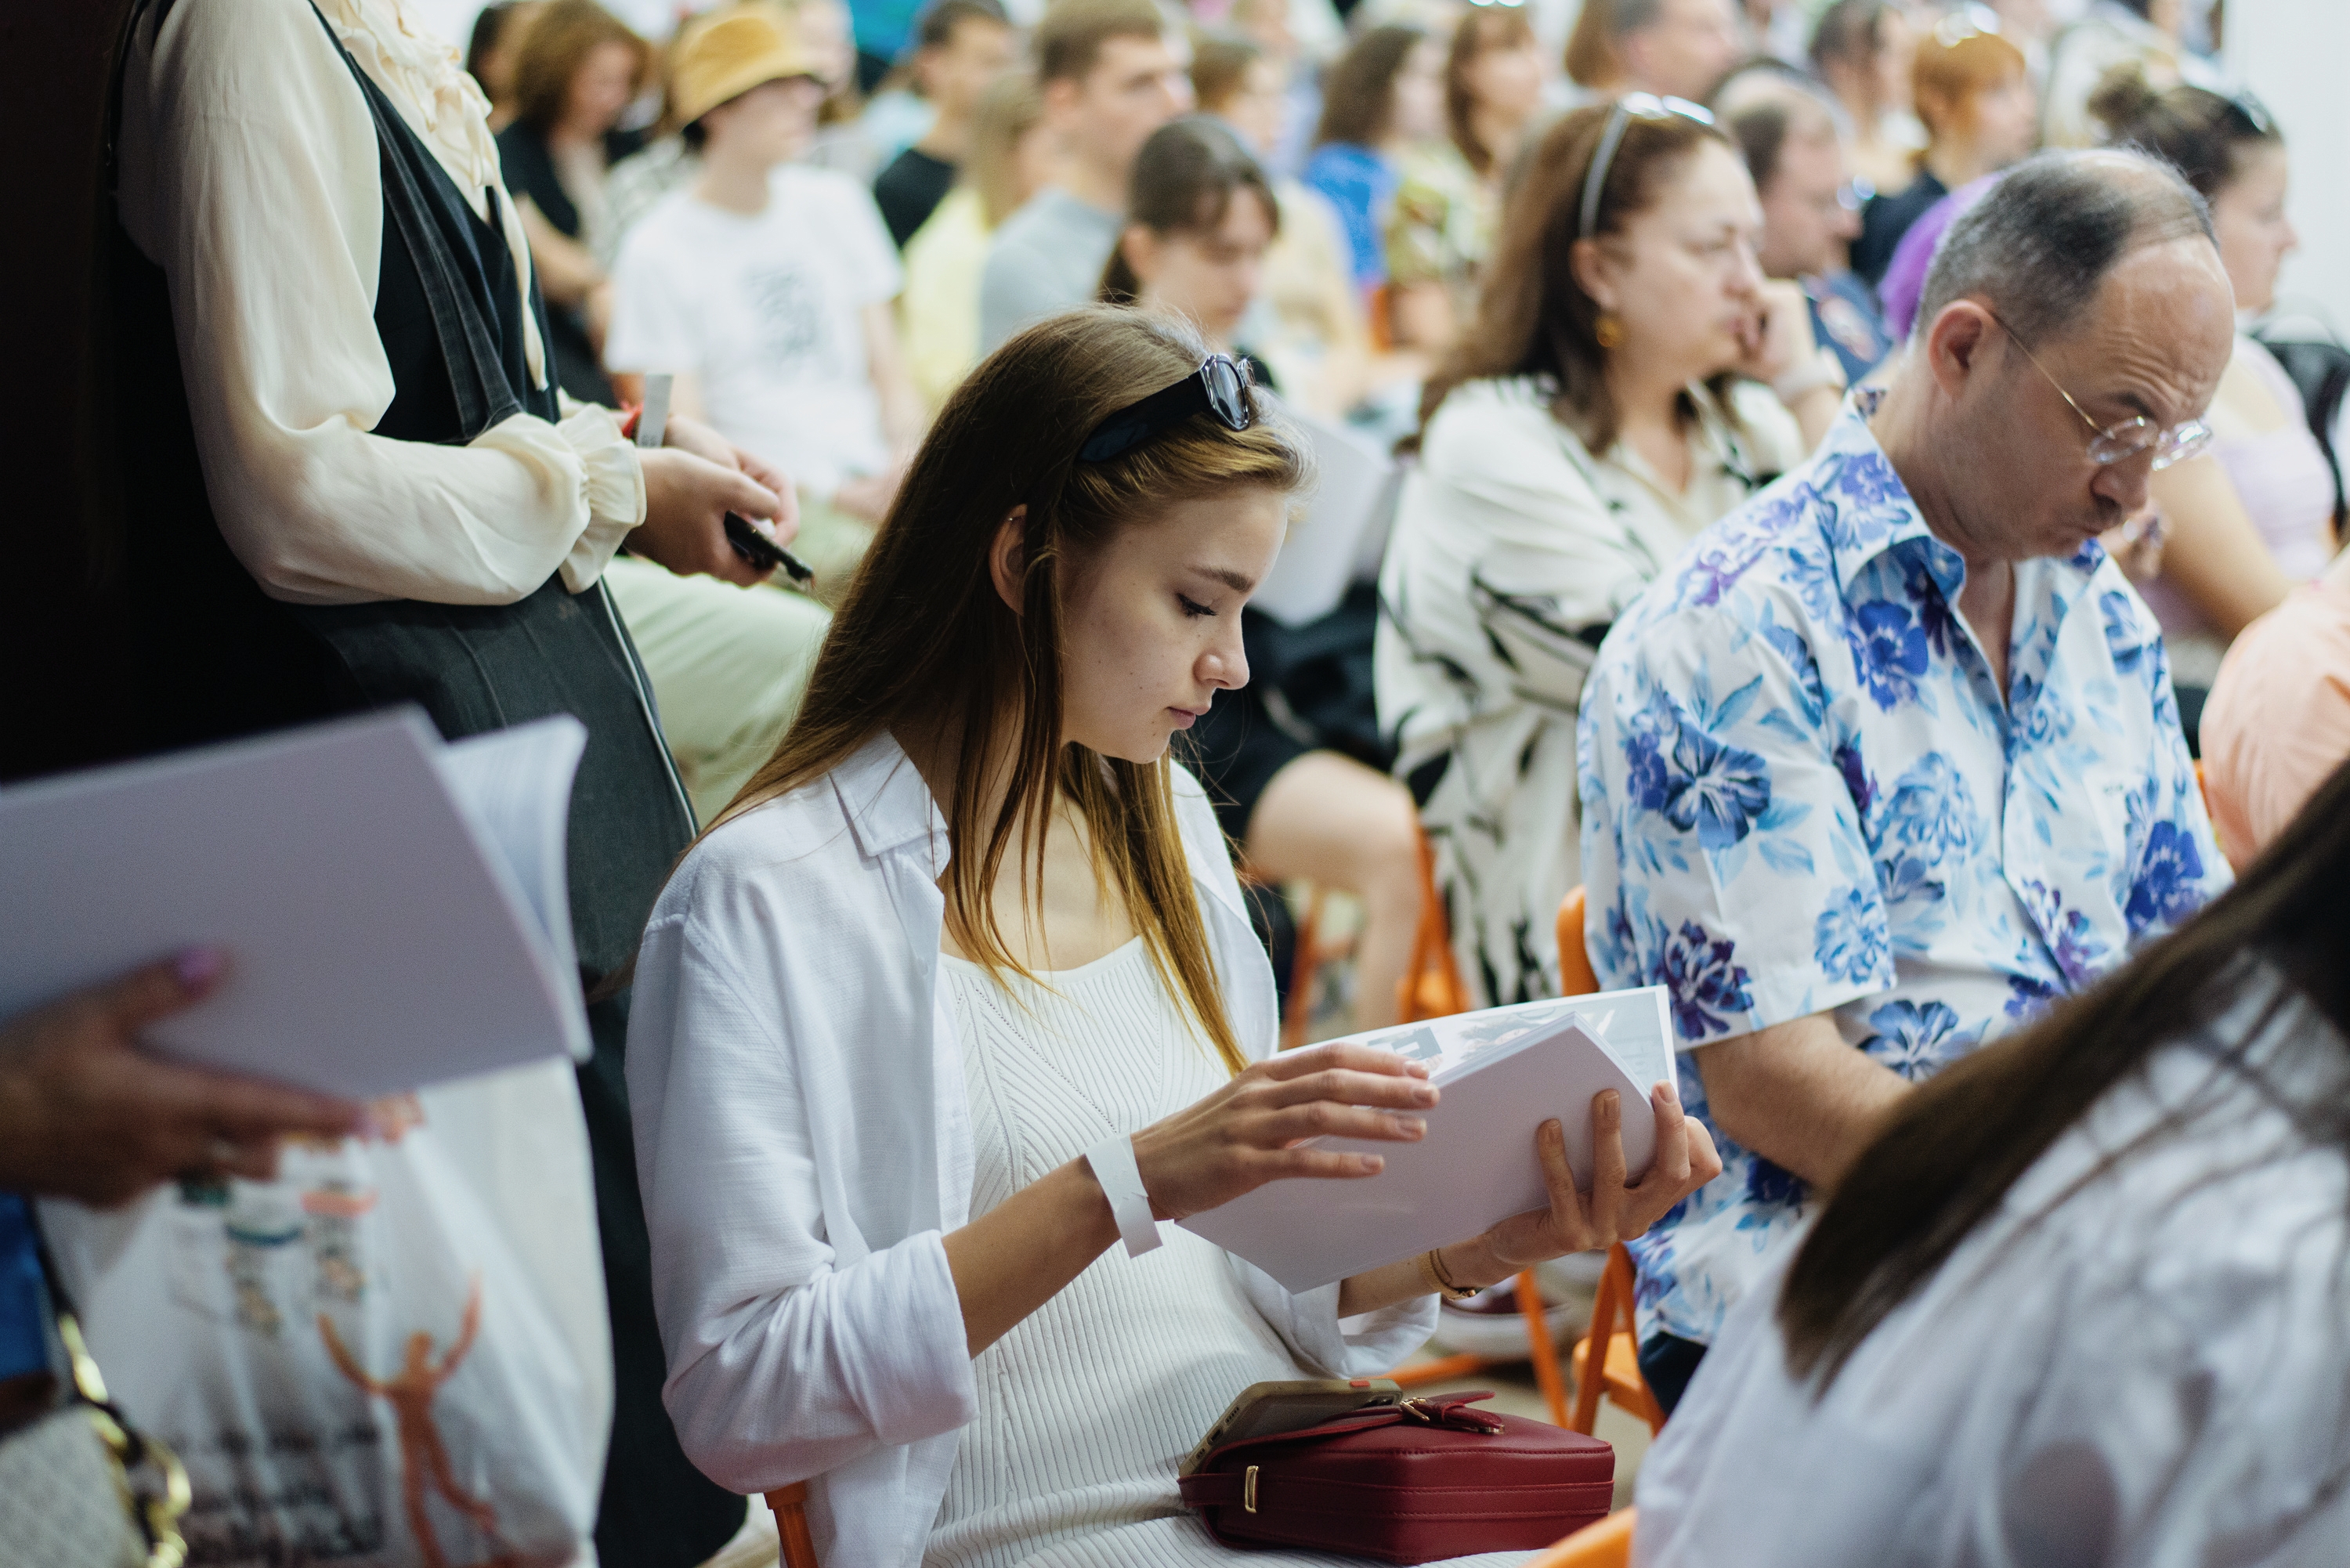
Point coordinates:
[[1306, 967], [789, 1505], [1611, 1308], [1575, 975], [1431, 986], [1607, 1544], [1613, 1333]]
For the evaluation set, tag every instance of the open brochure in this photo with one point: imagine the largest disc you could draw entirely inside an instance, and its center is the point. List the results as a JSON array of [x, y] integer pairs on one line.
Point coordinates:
[[394, 908], [1504, 1071]]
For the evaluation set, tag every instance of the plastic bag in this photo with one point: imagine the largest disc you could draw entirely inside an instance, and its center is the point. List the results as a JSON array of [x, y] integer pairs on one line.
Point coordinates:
[[395, 1353]]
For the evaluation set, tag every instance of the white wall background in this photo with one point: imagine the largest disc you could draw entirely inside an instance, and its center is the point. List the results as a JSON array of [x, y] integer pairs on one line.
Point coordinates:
[[2295, 55]]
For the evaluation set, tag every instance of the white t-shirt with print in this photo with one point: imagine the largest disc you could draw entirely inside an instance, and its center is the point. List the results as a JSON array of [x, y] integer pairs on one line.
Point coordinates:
[[763, 311]]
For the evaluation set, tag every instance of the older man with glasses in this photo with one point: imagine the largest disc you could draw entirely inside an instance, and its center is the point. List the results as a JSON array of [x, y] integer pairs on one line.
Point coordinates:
[[1889, 759]]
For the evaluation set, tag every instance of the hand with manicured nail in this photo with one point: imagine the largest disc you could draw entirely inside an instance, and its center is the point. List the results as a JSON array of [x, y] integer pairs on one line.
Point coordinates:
[[85, 1114], [1615, 1212]]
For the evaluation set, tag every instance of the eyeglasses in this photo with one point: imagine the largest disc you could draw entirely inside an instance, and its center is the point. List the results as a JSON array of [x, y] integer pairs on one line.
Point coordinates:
[[1973, 21], [1220, 387], [1631, 106], [2119, 443]]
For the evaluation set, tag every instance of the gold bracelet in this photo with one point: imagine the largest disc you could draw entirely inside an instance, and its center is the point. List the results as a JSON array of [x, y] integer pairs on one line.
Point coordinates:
[[1431, 1272]]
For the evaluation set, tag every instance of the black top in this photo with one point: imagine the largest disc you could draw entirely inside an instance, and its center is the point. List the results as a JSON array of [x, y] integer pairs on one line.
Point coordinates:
[[1886, 218], [909, 190], [529, 167]]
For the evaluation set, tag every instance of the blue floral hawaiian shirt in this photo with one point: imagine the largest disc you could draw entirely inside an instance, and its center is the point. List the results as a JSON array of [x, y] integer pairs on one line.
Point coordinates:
[[1803, 793]]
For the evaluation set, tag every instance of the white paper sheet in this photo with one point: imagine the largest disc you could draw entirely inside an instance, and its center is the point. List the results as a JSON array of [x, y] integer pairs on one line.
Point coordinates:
[[380, 936], [1353, 500], [1502, 1072]]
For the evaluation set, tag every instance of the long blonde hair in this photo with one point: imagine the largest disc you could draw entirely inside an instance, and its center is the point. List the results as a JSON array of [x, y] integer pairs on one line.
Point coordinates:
[[924, 638]]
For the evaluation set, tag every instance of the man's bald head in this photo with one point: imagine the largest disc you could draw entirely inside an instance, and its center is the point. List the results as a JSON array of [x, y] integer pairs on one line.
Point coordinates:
[[2039, 245]]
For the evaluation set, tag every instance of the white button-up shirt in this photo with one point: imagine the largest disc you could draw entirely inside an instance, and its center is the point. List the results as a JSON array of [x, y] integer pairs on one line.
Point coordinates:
[[804, 1144]]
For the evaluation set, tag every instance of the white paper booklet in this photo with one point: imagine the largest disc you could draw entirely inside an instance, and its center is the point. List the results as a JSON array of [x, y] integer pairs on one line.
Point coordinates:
[[394, 908], [1504, 1071]]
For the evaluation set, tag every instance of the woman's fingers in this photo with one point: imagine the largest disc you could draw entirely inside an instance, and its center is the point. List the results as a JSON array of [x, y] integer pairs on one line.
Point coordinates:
[[1569, 1218], [1324, 1164], [1608, 1162], [1705, 1160], [1328, 1118], [1349, 1086], [1348, 1055], [1671, 1163]]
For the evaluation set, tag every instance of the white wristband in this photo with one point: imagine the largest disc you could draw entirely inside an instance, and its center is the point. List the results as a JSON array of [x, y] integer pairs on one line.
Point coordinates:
[[1121, 1182]]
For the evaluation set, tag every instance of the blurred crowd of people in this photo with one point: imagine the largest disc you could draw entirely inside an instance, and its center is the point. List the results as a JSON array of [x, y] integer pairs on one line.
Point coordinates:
[[1837, 502]]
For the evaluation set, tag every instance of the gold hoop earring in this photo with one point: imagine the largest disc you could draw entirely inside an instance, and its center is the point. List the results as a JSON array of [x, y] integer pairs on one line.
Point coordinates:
[[1608, 330]]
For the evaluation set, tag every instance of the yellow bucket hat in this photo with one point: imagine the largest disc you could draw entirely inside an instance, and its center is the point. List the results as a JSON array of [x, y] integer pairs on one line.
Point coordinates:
[[724, 54]]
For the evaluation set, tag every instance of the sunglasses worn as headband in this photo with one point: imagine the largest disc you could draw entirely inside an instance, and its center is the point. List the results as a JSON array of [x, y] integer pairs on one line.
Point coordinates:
[[1973, 21], [2254, 114], [1220, 387], [1631, 106]]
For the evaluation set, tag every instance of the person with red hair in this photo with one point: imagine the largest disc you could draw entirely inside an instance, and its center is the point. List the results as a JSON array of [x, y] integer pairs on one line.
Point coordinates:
[[1973, 93]]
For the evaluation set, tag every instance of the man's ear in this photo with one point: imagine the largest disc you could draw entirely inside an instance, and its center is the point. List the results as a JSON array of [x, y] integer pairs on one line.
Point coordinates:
[[1060, 99], [1007, 559], [1955, 342]]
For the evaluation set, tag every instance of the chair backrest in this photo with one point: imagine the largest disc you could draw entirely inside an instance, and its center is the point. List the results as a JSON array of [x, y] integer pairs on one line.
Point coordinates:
[[1611, 1308], [1575, 975], [2321, 373]]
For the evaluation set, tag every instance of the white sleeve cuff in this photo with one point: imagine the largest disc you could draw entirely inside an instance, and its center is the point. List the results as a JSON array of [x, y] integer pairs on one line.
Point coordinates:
[[615, 485], [910, 1385]]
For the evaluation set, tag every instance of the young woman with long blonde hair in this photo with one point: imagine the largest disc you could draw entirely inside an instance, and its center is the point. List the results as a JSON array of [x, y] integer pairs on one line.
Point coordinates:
[[970, 938]]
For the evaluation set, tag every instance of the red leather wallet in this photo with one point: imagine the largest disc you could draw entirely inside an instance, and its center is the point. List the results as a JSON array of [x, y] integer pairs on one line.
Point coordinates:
[[1411, 1482]]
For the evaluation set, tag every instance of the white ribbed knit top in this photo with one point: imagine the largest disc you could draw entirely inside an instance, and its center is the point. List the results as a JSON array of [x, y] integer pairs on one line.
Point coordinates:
[[1087, 1407]]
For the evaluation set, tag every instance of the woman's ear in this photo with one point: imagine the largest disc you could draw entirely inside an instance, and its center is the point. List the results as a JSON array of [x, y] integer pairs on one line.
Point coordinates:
[[1007, 558], [1141, 248], [1593, 271]]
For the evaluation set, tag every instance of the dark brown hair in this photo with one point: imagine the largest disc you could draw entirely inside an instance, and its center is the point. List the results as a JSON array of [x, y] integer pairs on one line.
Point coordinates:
[[1769, 118], [1182, 182], [2200, 133], [1851, 30], [935, 30], [1358, 95], [1219, 63], [1958, 1143], [924, 640], [1482, 27], [1068, 41], [1591, 58], [1532, 317], [557, 44]]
